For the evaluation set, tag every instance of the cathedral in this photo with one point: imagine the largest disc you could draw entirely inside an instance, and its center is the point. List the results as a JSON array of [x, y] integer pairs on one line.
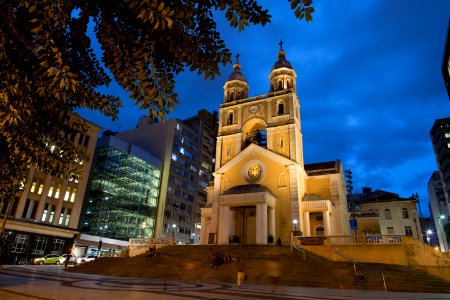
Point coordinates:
[[262, 189]]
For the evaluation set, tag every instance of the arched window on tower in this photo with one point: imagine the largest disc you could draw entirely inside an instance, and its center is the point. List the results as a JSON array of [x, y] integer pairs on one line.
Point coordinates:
[[280, 110], [289, 83], [280, 84], [230, 117]]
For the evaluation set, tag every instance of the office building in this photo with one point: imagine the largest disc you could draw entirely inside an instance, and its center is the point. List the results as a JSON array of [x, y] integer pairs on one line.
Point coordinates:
[[438, 209], [121, 200], [45, 215]]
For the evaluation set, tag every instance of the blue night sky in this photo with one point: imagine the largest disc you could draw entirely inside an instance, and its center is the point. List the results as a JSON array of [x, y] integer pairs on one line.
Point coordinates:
[[369, 82]]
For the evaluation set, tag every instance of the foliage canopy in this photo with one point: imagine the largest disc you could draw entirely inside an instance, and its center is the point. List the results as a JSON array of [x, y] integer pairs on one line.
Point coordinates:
[[49, 68]]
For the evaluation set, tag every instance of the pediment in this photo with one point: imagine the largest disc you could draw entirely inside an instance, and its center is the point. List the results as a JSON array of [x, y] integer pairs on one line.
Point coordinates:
[[248, 154]]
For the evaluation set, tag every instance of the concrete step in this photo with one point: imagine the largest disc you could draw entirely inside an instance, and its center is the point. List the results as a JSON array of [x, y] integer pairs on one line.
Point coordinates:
[[192, 263]]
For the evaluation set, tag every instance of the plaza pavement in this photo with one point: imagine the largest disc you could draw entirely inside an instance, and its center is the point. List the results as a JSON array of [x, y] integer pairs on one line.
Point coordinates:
[[52, 282]]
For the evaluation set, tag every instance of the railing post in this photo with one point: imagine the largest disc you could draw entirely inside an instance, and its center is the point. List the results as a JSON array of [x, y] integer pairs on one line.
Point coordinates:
[[384, 281]]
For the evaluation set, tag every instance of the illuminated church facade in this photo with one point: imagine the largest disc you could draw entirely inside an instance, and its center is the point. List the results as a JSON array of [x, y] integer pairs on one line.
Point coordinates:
[[262, 189]]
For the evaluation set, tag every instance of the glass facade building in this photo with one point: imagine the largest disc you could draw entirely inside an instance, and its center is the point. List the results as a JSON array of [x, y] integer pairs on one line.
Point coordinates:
[[122, 198]]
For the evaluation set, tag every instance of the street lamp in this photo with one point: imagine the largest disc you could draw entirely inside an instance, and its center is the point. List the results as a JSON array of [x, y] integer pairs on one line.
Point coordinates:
[[143, 225], [295, 221], [429, 232], [441, 230], [174, 226]]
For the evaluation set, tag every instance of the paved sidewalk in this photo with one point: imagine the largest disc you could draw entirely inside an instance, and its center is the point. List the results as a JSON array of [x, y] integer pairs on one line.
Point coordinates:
[[52, 282]]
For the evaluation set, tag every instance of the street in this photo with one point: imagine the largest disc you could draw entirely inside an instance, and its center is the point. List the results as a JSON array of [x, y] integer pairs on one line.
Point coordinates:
[[52, 282]]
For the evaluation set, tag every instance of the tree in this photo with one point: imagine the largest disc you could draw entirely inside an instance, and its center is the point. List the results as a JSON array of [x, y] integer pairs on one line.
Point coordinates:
[[49, 68]]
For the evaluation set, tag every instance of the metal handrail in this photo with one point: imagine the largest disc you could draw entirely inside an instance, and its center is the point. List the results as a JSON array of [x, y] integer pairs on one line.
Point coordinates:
[[362, 265], [298, 248]]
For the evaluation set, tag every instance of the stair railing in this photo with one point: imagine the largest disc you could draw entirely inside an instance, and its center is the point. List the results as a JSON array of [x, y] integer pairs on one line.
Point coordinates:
[[362, 265], [298, 248]]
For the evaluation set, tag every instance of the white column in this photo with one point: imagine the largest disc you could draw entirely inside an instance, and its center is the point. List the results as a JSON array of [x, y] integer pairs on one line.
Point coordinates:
[[261, 224], [271, 222], [306, 224], [224, 225], [326, 223]]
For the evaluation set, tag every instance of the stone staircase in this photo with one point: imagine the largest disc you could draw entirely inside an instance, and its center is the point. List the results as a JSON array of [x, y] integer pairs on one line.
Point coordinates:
[[191, 263]]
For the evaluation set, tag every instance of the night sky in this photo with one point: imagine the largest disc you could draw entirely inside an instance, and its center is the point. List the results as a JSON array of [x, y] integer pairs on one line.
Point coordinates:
[[369, 83]]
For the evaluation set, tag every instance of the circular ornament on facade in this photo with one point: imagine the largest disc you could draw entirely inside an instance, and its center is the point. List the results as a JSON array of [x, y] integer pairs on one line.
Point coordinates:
[[253, 109], [253, 171]]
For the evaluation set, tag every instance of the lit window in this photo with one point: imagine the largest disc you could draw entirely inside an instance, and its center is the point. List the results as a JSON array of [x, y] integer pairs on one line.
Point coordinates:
[[447, 134], [50, 191], [72, 198], [33, 186], [68, 217], [52, 148], [61, 217], [58, 189], [44, 215], [41, 188], [174, 157], [66, 196]]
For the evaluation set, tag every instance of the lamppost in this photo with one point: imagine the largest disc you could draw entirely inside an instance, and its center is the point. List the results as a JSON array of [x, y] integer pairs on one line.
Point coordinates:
[[174, 226], [295, 221], [143, 225], [442, 235], [429, 232]]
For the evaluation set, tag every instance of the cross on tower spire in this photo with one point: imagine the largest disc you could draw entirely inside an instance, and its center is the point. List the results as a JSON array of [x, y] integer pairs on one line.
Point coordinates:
[[237, 57], [281, 44]]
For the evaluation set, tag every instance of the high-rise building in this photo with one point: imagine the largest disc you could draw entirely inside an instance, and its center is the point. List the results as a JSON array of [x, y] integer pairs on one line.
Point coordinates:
[[45, 215], [440, 138], [438, 208], [121, 199], [183, 148], [262, 190], [446, 62], [206, 124]]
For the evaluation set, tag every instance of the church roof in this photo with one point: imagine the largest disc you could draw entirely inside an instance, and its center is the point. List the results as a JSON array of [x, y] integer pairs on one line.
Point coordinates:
[[245, 189], [282, 62], [329, 167], [237, 74]]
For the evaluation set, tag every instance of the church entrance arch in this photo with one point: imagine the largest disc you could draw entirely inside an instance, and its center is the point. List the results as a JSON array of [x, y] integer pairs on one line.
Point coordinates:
[[243, 225]]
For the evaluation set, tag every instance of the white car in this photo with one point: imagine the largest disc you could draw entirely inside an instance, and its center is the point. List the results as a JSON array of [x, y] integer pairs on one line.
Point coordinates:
[[86, 259], [72, 259]]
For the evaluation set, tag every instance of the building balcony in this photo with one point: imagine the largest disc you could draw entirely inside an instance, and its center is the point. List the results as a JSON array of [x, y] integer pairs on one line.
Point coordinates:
[[365, 214]]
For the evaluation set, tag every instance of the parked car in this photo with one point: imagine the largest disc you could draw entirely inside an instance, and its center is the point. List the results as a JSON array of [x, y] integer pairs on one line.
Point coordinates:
[[88, 258], [49, 259], [72, 259]]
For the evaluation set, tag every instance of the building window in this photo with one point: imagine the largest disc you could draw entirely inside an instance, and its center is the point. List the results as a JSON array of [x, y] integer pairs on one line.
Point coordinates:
[[50, 190], [228, 150], [72, 197], [387, 214], [408, 231], [20, 243], [40, 243], [41, 188], [281, 142], [280, 110], [58, 246], [69, 211], [390, 230], [61, 216], [33, 186], [67, 195], [405, 213], [230, 120]]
